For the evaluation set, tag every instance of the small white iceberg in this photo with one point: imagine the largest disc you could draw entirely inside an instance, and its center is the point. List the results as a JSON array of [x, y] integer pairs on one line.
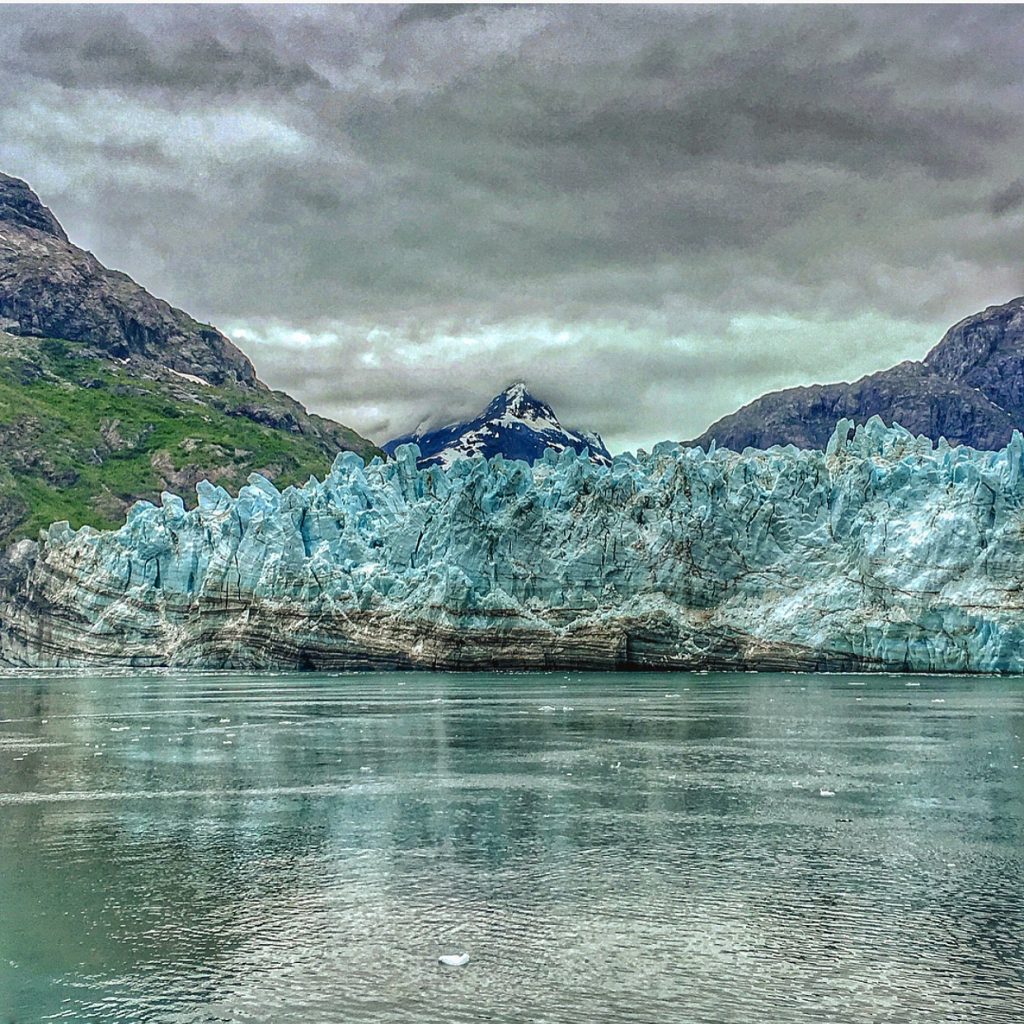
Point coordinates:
[[454, 959]]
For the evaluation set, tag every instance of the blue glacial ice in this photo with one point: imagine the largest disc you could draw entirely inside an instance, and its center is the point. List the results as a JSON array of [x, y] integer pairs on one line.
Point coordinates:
[[883, 552]]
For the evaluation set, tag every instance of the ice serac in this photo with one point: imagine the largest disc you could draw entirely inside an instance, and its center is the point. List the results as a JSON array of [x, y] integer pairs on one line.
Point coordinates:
[[515, 425], [883, 552]]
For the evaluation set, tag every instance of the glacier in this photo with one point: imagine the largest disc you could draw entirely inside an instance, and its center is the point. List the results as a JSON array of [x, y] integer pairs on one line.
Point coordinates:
[[883, 552]]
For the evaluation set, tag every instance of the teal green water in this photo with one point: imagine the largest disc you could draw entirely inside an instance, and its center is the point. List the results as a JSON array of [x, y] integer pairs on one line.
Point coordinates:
[[189, 848]]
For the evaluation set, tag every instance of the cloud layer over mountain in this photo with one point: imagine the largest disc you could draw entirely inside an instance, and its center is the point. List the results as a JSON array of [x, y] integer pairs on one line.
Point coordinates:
[[653, 214]]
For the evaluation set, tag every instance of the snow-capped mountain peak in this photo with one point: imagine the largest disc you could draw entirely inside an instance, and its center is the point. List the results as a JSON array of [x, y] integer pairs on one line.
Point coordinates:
[[514, 424], [516, 405]]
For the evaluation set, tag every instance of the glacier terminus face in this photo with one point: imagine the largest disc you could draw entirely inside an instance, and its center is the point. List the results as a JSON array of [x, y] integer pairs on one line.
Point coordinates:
[[882, 552]]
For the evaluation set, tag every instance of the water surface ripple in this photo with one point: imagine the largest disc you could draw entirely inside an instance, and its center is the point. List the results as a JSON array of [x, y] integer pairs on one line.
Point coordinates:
[[607, 847]]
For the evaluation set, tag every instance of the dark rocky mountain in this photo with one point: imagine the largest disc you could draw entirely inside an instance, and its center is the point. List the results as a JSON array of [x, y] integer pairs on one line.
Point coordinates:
[[968, 389], [20, 207], [50, 288], [514, 424], [986, 351], [108, 395]]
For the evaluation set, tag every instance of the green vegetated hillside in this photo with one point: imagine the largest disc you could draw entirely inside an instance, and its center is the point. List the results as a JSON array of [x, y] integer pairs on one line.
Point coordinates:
[[82, 437], [109, 394]]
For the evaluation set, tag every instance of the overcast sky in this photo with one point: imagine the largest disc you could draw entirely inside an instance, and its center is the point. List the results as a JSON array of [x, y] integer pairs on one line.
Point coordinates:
[[650, 214]]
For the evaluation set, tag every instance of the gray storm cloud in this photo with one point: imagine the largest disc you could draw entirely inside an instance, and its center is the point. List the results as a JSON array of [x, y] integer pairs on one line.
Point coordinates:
[[653, 214]]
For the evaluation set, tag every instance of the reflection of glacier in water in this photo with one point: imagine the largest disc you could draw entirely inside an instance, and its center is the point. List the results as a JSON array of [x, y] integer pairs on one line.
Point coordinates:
[[884, 551], [618, 848]]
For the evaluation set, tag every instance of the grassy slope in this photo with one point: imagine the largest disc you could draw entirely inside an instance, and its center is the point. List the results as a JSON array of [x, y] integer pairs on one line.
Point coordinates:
[[79, 435]]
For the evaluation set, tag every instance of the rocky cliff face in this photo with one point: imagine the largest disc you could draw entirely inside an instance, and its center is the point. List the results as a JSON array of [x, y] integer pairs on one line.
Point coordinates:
[[882, 552], [515, 425], [969, 389], [986, 352], [20, 207], [108, 394], [50, 288]]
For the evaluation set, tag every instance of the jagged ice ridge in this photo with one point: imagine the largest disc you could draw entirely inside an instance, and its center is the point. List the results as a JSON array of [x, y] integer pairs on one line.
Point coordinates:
[[882, 552]]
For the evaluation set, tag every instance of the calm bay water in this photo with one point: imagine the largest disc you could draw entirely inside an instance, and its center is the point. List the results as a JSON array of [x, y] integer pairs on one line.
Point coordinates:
[[273, 848]]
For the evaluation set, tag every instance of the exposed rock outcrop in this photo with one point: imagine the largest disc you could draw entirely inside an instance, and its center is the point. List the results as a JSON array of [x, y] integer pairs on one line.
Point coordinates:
[[986, 351], [969, 389], [20, 207], [50, 288]]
